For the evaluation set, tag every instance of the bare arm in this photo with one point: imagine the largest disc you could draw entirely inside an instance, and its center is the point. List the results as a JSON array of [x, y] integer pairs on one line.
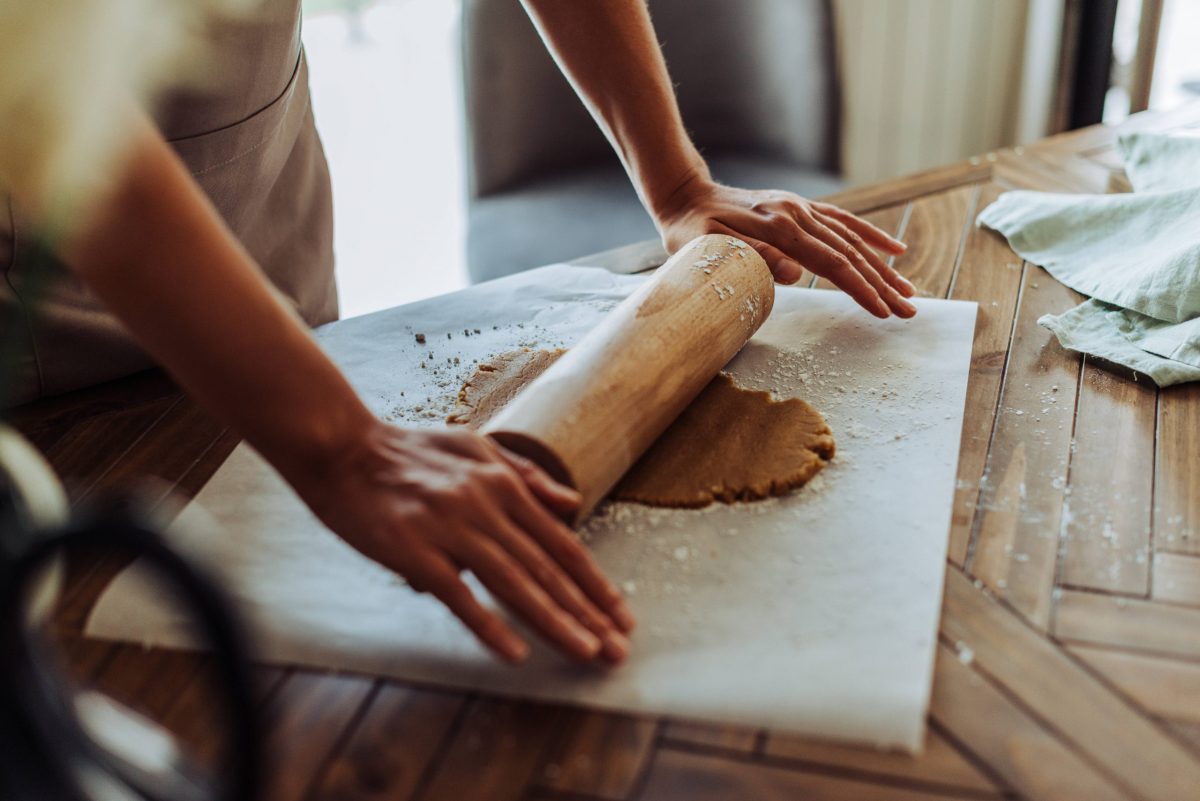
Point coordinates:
[[608, 50], [424, 503]]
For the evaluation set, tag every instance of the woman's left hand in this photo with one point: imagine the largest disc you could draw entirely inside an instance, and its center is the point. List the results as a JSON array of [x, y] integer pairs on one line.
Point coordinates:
[[792, 233]]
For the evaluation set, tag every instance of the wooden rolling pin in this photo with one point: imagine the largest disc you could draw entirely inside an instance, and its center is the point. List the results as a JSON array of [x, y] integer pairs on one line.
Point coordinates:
[[596, 410]]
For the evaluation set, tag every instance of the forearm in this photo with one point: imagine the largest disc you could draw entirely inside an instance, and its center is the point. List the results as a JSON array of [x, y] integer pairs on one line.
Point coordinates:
[[160, 258], [608, 50]]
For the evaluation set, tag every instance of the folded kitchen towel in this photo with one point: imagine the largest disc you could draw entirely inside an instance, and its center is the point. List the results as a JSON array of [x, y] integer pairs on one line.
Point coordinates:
[[1136, 255]]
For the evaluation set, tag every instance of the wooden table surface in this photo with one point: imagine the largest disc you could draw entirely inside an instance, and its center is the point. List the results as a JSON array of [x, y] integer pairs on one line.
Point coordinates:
[[1069, 660]]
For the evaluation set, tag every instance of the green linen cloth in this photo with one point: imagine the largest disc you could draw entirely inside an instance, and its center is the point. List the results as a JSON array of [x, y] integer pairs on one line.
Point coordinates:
[[1136, 255]]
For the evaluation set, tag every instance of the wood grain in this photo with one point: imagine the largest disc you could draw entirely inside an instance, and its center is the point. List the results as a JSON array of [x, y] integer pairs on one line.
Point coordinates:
[[700, 777], [940, 762], [1176, 579], [495, 753], [1177, 471], [728, 738], [1016, 537], [598, 754], [309, 715], [387, 753], [990, 274], [1107, 533], [936, 228], [1100, 724], [1168, 688], [1128, 623], [1009, 739]]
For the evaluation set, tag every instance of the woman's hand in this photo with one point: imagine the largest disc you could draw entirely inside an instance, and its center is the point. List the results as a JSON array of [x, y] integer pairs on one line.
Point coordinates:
[[791, 234], [429, 504]]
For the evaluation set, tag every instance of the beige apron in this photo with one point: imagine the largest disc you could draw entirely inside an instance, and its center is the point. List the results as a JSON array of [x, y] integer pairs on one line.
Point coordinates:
[[249, 141]]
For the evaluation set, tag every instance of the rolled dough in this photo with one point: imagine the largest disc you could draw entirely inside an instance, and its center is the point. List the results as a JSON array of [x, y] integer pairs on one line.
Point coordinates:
[[731, 444]]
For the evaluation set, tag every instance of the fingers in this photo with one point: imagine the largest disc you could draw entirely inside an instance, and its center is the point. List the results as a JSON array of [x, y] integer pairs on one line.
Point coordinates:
[[830, 263], [874, 235], [558, 540], [562, 500], [435, 575], [564, 547], [854, 249], [895, 279], [510, 583], [784, 268], [562, 589]]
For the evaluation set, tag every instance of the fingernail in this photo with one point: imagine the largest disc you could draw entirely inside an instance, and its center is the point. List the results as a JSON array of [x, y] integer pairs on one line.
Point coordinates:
[[515, 649], [616, 647], [908, 307], [623, 617], [589, 643], [881, 308]]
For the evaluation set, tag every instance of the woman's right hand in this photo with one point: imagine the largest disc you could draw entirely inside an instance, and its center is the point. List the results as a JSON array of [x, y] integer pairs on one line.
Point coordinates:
[[429, 504]]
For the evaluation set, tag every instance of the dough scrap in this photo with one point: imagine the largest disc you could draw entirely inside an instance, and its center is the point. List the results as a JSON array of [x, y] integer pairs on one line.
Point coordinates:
[[497, 381], [731, 444]]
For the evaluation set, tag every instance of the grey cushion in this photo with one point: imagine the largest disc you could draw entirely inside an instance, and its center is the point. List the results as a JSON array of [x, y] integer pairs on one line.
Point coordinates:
[[584, 211], [752, 76], [755, 83]]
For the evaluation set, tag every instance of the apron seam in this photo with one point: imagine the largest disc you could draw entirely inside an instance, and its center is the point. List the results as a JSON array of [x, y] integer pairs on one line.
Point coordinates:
[[22, 306], [270, 134], [179, 140], [265, 141]]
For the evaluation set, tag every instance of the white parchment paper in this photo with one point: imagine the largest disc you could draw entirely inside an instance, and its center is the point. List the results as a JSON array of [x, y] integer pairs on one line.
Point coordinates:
[[815, 613]]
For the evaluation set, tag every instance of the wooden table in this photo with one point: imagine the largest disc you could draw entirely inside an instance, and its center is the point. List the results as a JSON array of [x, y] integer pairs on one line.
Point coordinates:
[[1069, 659]]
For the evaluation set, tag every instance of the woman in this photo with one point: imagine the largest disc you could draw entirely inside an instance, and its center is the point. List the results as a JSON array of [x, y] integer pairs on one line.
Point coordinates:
[[212, 251]]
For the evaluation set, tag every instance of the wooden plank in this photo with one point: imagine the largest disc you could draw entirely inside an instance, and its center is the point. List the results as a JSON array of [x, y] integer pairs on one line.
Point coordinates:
[[496, 752], [90, 449], [82, 658], [1099, 723], [1015, 543], [1177, 471], [1167, 688], [704, 735], [1177, 579], [679, 775], [1107, 533], [1128, 623], [46, 421], [1027, 757], [940, 763], [392, 747], [936, 228], [168, 451], [868, 198], [309, 716], [148, 680], [1024, 168], [989, 273], [199, 722], [598, 754]]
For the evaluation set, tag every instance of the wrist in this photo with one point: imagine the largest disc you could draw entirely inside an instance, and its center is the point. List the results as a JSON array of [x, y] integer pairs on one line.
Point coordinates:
[[682, 193], [310, 450]]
